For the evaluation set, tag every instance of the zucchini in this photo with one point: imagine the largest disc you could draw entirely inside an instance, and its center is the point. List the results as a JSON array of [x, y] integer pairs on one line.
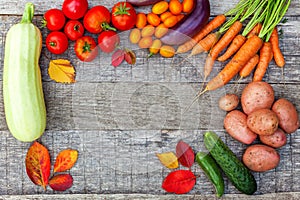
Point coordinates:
[[24, 103], [235, 170]]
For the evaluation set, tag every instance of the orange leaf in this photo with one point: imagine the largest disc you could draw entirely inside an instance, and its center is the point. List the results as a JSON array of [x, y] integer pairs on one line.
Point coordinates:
[[61, 71], [61, 182], [38, 164], [65, 160], [168, 159]]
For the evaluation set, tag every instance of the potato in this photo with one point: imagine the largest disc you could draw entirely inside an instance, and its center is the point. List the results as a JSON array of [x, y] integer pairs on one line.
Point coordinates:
[[287, 115], [278, 139], [229, 102], [263, 122], [235, 123], [261, 158], [257, 95]]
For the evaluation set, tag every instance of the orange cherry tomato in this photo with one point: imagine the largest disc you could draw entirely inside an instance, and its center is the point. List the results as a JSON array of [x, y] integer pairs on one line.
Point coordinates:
[[141, 20], [145, 42], [135, 36], [160, 30], [171, 21], [148, 30], [153, 19], [154, 48], [187, 6], [180, 17], [165, 15], [160, 7], [175, 7], [167, 51]]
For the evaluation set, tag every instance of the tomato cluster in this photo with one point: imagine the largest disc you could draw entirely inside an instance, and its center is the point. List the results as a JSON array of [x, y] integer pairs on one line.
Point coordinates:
[[75, 18]]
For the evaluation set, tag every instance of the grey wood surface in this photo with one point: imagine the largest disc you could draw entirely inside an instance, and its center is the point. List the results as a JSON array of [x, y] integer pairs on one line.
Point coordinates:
[[118, 118]]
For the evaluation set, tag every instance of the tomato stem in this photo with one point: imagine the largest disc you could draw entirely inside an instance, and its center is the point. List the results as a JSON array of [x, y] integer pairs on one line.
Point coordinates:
[[122, 10], [105, 26]]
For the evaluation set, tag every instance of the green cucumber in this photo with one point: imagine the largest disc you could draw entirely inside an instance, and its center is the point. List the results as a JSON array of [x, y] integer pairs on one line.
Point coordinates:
[[212, 171], [235, 170]]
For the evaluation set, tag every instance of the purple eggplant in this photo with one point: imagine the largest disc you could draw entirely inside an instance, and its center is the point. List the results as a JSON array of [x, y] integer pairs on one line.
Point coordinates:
[[142, 2], [190, 25]]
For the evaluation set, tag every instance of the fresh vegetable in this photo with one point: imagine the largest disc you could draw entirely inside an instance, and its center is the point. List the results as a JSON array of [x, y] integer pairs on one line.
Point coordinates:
[[265, 57], [250, 65], [167, 51], [257, 95], [276, 140], [175, 7], [57, 42], [205, 44], [171, 21], [160, 7], [75, 9], [261, 158], [188, 6], [235, 45], [165, 15], [153, 19], [54, 19], [145, 42], [155, 47], [123, 16], [148, 31], [142, 2], [229, 102], [135, 36], [235, 124], [263, 121], [237, 173], [189, 26], [212, 171], [141, 20], [108, 41], [278, 57], [160, 31], [287, 115], [255, 31], [74, 29], [86, 49]]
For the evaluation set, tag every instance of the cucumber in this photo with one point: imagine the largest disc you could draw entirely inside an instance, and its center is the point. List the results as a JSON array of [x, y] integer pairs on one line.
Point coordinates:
[[235, 170], [212, 171]]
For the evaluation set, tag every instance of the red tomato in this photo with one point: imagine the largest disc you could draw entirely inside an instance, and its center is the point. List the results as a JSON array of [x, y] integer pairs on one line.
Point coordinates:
[[57, 42], [123, 16], [74, 29], [54, 19], [97, 19], [108, 40], [86, 49], [75, 9]]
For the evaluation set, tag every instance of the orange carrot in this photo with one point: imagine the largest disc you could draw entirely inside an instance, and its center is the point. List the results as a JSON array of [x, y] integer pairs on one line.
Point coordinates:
[[255, 31], [250, 65], [205, 44], [278, 57], [265, 57], [213, 24], [235, 45]]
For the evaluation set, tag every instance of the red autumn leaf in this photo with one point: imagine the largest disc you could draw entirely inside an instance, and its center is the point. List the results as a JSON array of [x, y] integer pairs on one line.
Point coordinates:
[[179, 182], [38, 164], [130, 57], [185, 154], [61, 182], [65, 160], [117, 57]]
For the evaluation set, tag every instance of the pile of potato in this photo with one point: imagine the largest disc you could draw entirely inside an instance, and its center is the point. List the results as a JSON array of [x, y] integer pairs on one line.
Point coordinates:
[[262, 117]]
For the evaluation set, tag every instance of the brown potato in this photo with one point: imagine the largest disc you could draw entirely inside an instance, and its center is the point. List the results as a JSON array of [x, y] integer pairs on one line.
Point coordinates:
[[263, 122], [257, 95], [287, 115], [261, 158], [229, 102], [235, 123], [278, 139]]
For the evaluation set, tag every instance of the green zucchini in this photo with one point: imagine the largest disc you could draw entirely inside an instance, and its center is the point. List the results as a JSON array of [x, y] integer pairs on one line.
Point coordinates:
[[24, 103], [235, 170], [212, 171]]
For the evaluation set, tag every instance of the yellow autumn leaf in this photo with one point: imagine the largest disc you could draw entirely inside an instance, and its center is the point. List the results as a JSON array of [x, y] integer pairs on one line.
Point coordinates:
[[168, 159], [61, 71]]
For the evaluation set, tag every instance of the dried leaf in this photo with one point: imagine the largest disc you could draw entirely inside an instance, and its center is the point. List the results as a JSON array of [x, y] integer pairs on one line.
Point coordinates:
[[168, 159], [117, 57], [61, 182], [185, 154], [179, 182], [130, 57], [38, 164], [65, 160], [61, 71]]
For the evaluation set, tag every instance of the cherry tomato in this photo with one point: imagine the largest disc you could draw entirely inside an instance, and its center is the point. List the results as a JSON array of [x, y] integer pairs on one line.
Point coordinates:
[[74, 9], [74, 29], [123, 16], [86, 48], [108, 41], [57, 42], [97, 19], [54, 19]]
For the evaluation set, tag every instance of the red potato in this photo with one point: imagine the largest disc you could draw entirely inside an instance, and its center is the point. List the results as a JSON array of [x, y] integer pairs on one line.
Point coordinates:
[[257, 95], [278, 139], [229, 102], [287, 115], [263, 122], [235, 123], [261, 158]]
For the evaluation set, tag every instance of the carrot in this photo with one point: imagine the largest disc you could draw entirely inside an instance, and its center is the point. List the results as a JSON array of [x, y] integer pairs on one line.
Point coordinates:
[[205, 44], [213, 24], [250, 65], [278, 57], [255, 31], [265, 57], [237, 42]]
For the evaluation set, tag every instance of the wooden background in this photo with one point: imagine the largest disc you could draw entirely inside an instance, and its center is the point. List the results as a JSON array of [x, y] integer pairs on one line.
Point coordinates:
[[118, 118]]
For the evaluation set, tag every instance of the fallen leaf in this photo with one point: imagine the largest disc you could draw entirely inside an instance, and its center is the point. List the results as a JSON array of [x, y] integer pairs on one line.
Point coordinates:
[[168, 159], [117, 57], [179, 182], [130, 57], [61, 182], [65, 160], [61, 71], [38, 164], [185, 154]]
